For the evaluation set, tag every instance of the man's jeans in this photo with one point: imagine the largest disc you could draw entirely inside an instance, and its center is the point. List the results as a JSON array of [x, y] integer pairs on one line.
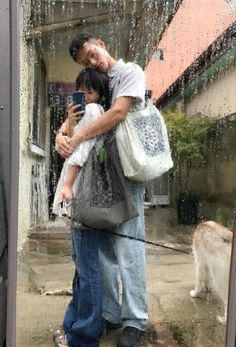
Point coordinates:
[[83, 318], [123, 260]]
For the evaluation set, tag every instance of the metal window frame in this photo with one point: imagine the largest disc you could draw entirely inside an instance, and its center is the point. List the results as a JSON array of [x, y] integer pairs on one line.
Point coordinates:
[[14, 170], [9, 139]]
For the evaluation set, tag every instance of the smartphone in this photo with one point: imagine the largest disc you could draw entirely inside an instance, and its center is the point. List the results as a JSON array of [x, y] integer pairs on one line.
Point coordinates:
[[79, 99]]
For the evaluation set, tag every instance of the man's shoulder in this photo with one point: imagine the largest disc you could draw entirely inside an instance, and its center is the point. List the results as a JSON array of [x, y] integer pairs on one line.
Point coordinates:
[[131, 67], [131, 72]]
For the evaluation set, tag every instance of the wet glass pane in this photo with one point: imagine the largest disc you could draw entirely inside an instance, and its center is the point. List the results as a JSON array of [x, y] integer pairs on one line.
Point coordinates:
[[187, 50]]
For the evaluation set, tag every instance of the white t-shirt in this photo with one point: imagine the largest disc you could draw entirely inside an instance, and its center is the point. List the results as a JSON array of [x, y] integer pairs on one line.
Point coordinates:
[[79, 156], [128, 79]]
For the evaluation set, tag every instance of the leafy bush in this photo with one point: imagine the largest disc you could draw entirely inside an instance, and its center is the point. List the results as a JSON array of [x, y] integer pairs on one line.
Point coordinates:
[[188, 137]]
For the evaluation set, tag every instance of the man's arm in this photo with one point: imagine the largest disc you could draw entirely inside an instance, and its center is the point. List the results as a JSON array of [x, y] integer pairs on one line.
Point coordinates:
[[107, 121]]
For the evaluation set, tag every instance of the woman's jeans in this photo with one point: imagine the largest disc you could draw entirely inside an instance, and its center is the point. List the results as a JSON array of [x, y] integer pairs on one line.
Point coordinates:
[[122, 263], [83, 317]]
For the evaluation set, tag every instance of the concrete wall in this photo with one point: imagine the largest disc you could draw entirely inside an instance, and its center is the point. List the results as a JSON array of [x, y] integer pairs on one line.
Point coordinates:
[[217, 98], [221, 169], [28, 158], [25, 160], [216, 182]]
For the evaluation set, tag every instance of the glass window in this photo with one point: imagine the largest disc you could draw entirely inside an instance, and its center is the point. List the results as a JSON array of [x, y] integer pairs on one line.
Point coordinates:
[[39, 98]]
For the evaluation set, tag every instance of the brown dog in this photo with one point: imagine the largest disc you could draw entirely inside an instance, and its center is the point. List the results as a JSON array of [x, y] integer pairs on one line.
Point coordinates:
[[212, 250]]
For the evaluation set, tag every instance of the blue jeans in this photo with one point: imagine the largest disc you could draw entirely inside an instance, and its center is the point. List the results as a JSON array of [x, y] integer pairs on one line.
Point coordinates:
[[83, 317], [122, 260]]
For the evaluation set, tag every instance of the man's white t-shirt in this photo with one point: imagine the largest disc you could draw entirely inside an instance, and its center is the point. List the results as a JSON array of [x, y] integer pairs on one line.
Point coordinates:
[[128, 79]]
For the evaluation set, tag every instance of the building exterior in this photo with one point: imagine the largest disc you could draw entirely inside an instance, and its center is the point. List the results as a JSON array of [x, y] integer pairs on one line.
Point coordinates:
[[203, 84], [195, 26]]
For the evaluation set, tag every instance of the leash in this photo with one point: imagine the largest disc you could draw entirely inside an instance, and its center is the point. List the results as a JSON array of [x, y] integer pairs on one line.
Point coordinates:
[[157, 244]]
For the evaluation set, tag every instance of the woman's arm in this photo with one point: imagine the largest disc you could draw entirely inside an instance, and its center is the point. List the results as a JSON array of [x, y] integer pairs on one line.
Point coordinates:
[[65, 131], [66, 192], [72, 119]]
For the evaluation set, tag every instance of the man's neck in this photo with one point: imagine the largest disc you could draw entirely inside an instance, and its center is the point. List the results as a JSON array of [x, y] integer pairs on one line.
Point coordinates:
[[111, 63]]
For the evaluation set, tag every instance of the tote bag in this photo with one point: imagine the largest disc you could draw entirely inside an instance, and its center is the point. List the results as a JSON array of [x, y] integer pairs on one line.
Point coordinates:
[[143, 144], [103, 200]]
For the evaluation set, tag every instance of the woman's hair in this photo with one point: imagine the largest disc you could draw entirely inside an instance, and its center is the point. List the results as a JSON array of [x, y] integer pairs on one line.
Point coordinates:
[[98, 81]]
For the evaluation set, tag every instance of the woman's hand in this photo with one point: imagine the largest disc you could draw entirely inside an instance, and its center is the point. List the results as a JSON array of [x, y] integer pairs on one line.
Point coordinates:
[[66, 193], [73, 116], [63, 146]]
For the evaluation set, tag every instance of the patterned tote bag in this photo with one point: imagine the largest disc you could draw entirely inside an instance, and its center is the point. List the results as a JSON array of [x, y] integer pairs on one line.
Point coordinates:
[[143, 144]]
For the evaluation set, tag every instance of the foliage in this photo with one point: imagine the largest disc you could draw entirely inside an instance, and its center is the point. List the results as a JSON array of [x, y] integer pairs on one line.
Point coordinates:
[[188, 137]]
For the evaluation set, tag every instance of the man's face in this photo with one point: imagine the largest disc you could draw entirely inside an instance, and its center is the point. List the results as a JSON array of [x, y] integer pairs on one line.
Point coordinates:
[[94, 56]]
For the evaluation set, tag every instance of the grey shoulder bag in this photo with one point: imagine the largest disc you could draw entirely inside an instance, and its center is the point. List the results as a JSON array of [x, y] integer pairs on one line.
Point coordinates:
[[103, 200]]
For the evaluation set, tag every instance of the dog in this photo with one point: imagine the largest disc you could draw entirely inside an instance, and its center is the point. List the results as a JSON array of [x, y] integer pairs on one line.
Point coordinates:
[[212, 251]]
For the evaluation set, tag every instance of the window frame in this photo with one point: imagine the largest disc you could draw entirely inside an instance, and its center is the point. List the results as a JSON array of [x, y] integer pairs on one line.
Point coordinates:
[[38, 109]]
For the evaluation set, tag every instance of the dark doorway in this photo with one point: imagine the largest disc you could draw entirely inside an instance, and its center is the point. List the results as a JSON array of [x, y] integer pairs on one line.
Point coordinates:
[[60, 94]]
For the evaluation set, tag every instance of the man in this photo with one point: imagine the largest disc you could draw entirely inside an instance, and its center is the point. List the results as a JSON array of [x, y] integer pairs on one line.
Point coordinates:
[[119, 256]]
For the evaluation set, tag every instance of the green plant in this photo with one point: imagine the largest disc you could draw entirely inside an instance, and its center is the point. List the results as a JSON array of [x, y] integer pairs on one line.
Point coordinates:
[[188, 138]]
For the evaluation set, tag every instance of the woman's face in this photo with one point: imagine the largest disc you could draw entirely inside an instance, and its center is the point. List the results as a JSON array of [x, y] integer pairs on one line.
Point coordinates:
[[90, 95]]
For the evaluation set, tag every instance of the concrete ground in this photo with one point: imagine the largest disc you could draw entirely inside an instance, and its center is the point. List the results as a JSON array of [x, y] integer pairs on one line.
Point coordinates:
[[176, 319]]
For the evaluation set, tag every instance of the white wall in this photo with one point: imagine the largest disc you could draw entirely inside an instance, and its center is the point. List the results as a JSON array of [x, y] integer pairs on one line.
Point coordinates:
[[62, 67], [24, 160], [26, 157], [217, 98]]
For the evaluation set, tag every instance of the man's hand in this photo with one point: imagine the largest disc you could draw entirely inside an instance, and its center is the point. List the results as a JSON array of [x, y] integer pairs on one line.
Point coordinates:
[[73, 142], [63, 146]]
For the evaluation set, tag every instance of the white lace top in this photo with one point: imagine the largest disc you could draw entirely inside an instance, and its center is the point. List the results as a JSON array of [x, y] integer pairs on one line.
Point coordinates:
[[78, 157]]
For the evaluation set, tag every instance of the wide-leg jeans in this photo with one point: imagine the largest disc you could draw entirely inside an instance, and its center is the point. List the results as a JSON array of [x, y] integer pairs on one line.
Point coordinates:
[[83, 317], [122, 262]]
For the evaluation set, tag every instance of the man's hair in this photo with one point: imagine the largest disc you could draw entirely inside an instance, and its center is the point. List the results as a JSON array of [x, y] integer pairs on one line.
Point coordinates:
[[78, 43]]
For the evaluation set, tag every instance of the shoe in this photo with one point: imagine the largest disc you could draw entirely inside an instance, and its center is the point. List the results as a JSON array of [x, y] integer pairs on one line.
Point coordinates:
[[130, 337], [59, 338], [109, 326]]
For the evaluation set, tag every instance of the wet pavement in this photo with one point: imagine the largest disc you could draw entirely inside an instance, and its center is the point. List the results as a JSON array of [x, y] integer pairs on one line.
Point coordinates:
[[176, 319]]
